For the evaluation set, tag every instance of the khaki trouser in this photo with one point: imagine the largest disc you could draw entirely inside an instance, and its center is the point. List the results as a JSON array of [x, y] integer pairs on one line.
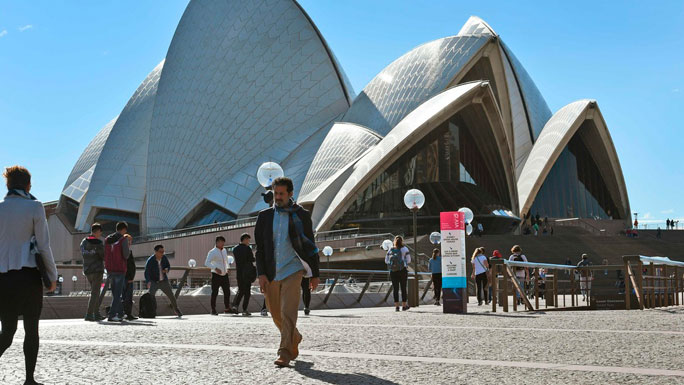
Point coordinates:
[[282, 300]]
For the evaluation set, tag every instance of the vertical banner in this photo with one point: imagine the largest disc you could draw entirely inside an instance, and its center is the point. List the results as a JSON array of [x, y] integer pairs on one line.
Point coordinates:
[[454, 279]]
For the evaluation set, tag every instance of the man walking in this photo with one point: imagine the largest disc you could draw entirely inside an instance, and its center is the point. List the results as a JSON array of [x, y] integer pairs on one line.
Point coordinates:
[[219, 261], [585, 277], [285, 253], [246, 273], [117, 250], [128, 287], [156, 270], [92, 250]]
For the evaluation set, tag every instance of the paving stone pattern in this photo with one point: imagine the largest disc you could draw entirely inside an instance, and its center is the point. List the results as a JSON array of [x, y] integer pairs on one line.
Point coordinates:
[[366, 346]]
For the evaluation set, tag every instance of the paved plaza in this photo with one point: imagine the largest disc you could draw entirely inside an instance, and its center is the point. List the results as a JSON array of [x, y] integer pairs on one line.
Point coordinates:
[[367, 346]]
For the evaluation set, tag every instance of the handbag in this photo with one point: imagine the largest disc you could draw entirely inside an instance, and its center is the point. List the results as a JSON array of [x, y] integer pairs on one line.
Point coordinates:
[[40, 264]]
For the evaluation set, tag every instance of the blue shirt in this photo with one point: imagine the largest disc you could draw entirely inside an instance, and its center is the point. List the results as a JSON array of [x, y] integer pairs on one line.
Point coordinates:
[[436, 265], [287, 261]]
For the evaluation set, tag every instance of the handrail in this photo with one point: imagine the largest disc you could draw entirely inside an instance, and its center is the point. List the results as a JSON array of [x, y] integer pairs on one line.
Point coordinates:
[[195, 230], [661, 261]]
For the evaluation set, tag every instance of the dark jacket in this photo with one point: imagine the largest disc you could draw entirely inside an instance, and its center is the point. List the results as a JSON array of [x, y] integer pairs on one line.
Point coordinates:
[[130, 268], [152, 269], [92, 250], [244, 263], [263, 235]]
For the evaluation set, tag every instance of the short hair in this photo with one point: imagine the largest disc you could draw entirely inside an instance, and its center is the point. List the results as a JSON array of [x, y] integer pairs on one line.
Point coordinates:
[[18, 177], [220, 238], [283, 181], [121, 225], [245, 235], [516, 249], [95, 227], [156, 248]]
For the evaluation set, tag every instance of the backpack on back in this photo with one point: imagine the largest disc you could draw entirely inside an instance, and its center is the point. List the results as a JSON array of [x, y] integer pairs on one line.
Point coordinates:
[[519, 258], [396, 262], [114, 261], [148, 306]]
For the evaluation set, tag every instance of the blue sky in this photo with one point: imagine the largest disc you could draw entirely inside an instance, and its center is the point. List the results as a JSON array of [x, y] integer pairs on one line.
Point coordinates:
[[67, 67]]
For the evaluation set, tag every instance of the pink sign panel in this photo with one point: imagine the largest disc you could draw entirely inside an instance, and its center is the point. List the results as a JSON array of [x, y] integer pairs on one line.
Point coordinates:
[[452, 220]]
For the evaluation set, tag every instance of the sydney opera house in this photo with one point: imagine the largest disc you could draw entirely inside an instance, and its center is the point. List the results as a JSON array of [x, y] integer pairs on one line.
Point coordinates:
[[245, 83]]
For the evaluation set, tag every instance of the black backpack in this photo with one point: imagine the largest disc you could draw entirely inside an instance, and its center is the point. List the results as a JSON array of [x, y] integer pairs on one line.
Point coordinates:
[[396, 262], [148, 306], [519, 258]]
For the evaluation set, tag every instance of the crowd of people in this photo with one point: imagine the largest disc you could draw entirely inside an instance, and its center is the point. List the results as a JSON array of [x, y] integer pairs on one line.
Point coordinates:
[[535, 225], [286, 263]]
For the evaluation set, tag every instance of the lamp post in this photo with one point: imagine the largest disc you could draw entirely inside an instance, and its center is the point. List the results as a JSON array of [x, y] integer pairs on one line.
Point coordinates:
[[328, 251], [191, 264], [414, 200], [468, 217]]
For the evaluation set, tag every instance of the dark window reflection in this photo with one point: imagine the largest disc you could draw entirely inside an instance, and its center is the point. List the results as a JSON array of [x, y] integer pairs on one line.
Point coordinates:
[[574, 187], [456, 165]]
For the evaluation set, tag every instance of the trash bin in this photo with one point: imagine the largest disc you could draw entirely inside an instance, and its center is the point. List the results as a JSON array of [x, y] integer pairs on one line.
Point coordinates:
[[412, 291]]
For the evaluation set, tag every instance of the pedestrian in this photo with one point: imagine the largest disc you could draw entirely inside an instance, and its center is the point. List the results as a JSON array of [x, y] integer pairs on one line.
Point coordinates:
[[568, 262], [522, 274], [156, 276], [605, 262], [667, 224], [536, 229], [496, 256], [306, 295], [219, 261], [117, 250], [585, 277], [480, 229], [658, 233], [285, 253], [479, 274], [245, 272], [92, 251], [24, 246], [397, 260], [128, 287], [436, 270]]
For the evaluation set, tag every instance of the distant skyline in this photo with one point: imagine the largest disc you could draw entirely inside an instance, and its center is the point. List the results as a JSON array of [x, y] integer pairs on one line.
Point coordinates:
[[68, 67]]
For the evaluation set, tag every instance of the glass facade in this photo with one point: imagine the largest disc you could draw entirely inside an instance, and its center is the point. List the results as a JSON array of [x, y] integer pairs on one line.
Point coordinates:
[[209, 213], [575, 187], [456, 165], [108, 219]]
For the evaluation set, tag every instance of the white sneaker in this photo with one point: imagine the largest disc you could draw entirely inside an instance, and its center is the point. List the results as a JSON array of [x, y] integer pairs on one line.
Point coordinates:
[[114, 319], [264, 313]]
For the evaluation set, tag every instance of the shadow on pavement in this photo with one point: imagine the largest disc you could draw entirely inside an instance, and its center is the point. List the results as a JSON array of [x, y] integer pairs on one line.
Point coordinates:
[[504, 315], [128, 323], [306, 369], [332, 316]]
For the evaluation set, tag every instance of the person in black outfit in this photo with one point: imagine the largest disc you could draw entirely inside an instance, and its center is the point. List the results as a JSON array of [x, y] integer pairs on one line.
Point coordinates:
[[128, 288], [21, 293], [306, 295], [246, 273]]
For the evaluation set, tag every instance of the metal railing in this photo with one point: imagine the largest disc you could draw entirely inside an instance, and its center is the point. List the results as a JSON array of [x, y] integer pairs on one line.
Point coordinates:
[[659, 284], [189, 231], [332, 281]]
